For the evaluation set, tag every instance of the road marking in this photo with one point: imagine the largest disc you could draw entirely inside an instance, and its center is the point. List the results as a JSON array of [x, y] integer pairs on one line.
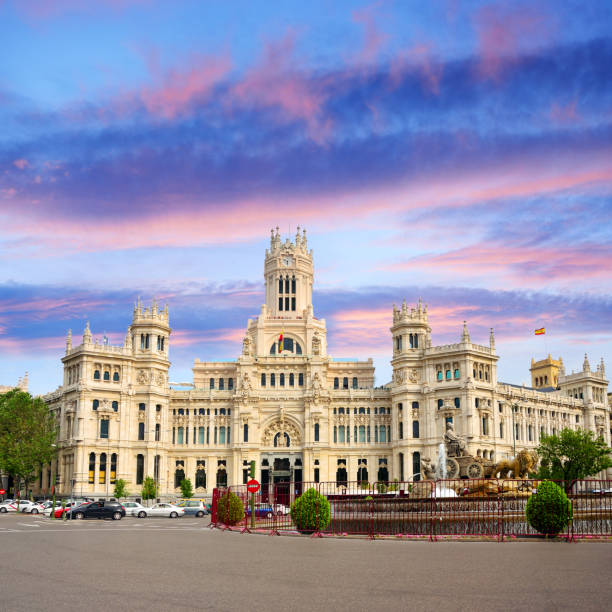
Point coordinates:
[[28, 525]]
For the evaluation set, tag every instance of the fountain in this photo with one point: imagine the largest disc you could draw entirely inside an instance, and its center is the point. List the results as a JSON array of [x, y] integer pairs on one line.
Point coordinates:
[[442, 491]]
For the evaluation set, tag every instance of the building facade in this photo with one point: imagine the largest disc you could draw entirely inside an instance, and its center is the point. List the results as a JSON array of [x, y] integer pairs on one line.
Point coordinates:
[[287, 404]]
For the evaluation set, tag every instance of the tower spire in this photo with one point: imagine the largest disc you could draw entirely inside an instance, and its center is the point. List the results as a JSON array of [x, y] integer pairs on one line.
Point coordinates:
[[465, 336], [69, 341], [492, 339], [87, 334]]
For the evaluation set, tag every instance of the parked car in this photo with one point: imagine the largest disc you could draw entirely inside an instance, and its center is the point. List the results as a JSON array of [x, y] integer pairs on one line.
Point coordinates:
[[98, 510], [194, 508], [281, 509], [59, 510], [261, 510], [31, 507], [25, 505], [133, 508], [163, 509]]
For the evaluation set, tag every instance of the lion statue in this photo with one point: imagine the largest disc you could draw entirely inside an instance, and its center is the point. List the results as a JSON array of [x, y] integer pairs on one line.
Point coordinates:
[[524, 462]]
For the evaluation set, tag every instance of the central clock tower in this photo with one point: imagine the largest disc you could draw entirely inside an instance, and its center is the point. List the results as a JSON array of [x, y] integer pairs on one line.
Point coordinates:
[[288, 274]]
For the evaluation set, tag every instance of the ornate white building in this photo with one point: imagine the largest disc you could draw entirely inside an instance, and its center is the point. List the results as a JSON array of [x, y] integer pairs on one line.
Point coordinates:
[[299, 413]]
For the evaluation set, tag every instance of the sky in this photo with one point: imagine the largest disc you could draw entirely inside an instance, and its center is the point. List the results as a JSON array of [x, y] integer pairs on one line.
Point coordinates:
[[456, 151]]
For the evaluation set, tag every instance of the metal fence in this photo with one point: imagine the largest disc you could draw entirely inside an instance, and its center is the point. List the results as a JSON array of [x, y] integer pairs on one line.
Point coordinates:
[[442, 509]]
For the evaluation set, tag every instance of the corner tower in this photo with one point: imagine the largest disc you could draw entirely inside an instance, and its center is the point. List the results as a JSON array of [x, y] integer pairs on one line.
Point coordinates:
[[289, 274]]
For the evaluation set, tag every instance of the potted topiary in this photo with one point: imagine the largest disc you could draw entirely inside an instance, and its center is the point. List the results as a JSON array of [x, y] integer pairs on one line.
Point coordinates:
[[310, 512], [549, 510], [230, 509]]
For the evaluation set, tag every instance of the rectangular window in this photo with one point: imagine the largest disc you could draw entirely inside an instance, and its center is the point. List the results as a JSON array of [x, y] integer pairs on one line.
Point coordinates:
[[316, 474], [200, 435], [221, 384], [221, 435], [280, 302], [286, 303], [211, 383], [245, 432], [292, 303], [401, 430], [104, 428], [263, 380], [362, 436], [230, 383], [316, 432], [382, 434], [208, 435], [141, 431], [181, 436]]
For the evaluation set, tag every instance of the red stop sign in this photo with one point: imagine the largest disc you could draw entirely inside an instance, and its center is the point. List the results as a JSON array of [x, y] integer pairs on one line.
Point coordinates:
[[252, 486], [2, 491]]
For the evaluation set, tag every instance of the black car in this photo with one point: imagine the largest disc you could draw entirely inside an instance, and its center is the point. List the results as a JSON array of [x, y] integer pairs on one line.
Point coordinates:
[[97, 509]]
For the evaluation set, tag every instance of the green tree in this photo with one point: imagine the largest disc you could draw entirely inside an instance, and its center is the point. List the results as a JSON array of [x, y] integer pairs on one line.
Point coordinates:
[[120, 489], [186, 487], [149, 488], [572, 455], [549, 510], [28, 433], [311, 511]]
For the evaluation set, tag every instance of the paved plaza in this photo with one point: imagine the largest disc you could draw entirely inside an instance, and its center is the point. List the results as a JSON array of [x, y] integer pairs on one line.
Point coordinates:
[[181, 564]]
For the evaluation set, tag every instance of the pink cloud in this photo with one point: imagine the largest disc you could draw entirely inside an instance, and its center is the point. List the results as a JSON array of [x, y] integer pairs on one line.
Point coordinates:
[[32, 345], [274, 82], [185, 337], [502, 34], [22, 164], [374, 39], [175, 90], [9, 192], [519, 263]]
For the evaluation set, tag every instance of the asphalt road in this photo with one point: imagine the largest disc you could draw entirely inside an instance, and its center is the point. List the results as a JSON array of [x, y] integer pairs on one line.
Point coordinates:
[[180, 564]]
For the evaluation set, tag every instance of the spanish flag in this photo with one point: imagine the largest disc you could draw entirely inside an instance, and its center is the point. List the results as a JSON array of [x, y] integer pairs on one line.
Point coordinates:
[[540, 332], [280, 343]]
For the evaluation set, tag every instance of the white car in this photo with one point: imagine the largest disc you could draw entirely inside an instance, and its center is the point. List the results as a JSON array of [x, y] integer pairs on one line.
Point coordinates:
[[25, 505], [133, 508], [168, 510], [281, 509]]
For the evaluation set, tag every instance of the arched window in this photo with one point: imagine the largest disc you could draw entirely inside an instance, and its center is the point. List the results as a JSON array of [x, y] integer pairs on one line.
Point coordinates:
[[345, 383], [383, 474], [439, 375], [179, 476], [336, 383], [106, 375], [245, 432], [96, 374], [200, 478], [293, 285], [281, 380], [113, 474], [448, 375], [221, 384], [398, 343], [221, 477], [341, 477], [102, 472], [211, 383], [139, 469], [291, 380], [411, 340], [316, 432], [280, 285], [440, 403], [115, 376], [230, 383], [272, 380], [457, 402], [362, 475], [354, 382], [416, 466], [456, 372], [263, 380], [415, 429], [92, 467], [115, 406], [416, 340], [95, 404], [286, 284]]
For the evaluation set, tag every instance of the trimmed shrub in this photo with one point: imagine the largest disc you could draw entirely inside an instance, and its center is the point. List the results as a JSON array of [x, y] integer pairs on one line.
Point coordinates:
[[549, 510], [310, 511], [230, 509]]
